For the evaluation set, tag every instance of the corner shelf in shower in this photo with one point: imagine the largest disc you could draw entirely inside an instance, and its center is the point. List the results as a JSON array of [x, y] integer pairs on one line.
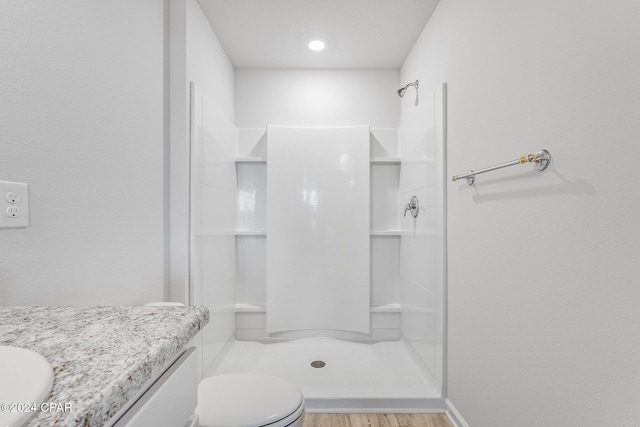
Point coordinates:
[[386, 308], [251, 160], [385, 160], [264, 232], [373, 160], [251, 232], [251, 308]]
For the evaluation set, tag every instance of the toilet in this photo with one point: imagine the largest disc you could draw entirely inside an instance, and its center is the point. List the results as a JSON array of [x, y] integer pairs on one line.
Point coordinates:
[[249, 400]]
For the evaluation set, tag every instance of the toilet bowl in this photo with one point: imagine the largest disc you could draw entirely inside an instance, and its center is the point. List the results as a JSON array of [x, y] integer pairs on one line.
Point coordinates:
[[249, 400]]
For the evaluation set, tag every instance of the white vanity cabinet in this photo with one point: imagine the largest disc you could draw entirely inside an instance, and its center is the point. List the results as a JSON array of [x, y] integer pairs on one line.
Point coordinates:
[[170, 401]]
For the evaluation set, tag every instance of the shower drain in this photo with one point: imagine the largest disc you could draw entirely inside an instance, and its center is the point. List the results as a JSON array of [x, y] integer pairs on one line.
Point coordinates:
[[318, 364]]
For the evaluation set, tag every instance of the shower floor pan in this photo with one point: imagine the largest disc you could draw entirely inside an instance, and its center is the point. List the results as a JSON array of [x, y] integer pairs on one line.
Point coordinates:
[[356, 377]]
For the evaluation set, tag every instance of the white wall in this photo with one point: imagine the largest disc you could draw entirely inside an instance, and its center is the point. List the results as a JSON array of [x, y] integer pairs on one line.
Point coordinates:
[[81, 121], [543, 319], [317, 98]]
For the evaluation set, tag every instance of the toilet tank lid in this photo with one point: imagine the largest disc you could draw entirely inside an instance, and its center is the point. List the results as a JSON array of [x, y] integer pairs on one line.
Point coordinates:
[[246, 400]]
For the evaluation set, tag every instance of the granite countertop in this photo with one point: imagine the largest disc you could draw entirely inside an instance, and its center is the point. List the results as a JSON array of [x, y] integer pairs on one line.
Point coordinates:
[[101, 356]]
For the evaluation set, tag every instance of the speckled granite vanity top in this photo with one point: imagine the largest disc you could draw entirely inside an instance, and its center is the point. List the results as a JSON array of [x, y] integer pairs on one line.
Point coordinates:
[[101, 356]]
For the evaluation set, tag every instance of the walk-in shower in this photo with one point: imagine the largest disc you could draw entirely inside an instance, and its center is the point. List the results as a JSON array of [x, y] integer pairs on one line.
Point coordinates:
[[311, 271]]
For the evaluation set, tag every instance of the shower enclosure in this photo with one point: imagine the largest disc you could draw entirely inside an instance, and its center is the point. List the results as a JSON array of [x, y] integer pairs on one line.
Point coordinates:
[[300, 249]]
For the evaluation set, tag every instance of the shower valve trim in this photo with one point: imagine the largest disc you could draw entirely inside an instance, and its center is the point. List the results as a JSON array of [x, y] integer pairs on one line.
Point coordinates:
[[413, 206]]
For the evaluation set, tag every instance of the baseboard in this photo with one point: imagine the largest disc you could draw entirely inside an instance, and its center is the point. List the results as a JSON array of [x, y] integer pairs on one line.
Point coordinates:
[[453, 415], [374, 405]]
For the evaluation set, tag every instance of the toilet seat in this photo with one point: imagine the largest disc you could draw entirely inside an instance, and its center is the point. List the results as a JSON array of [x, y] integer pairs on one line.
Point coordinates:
[[248, 400]]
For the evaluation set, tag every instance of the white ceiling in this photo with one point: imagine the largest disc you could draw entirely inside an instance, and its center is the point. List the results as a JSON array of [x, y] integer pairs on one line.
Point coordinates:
[[361, 33]]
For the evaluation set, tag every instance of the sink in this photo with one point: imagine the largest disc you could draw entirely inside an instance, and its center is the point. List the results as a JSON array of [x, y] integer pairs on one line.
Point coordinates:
[[25, 382]]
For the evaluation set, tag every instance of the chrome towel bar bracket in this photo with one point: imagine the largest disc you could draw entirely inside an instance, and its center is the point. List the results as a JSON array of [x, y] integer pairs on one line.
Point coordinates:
[[542, 159]]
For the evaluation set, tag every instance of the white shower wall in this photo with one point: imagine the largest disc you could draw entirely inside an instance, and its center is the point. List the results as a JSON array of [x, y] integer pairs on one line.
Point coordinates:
[[213, 196], [422, 248], [318, 229], [316, 98], [202, 174]]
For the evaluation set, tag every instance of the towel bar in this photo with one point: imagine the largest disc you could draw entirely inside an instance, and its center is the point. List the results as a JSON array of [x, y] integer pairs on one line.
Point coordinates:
[[542, 160]]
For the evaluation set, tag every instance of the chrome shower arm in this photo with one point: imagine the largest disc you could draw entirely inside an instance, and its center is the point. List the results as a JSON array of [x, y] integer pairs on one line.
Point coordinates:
[[402, 90]]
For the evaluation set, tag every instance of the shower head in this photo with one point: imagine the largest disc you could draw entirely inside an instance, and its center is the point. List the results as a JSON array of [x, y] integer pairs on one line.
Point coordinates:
[[402, 90]]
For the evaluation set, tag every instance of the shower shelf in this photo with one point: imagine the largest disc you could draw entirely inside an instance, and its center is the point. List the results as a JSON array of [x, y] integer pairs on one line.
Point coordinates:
[[385, 232], [251, 232], [251, 308], [385, 160], [373, 160], [251, 160], [386, 308], [264, 232]]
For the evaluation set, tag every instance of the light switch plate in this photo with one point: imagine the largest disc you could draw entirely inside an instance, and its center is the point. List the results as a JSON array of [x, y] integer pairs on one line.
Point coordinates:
[[14, 204]]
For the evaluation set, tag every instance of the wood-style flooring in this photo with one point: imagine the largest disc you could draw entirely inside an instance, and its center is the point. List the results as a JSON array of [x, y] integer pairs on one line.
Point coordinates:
[[376, 420]]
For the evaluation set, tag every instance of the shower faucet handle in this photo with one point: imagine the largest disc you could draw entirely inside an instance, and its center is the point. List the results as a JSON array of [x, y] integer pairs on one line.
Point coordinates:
[[413, 206]]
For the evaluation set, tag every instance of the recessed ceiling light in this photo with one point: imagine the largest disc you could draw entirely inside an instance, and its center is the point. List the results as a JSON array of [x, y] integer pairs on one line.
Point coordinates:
[[316, 43]]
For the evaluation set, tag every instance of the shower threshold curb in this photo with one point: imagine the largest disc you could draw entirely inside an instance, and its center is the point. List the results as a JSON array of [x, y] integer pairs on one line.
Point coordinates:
[[354, 405]]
